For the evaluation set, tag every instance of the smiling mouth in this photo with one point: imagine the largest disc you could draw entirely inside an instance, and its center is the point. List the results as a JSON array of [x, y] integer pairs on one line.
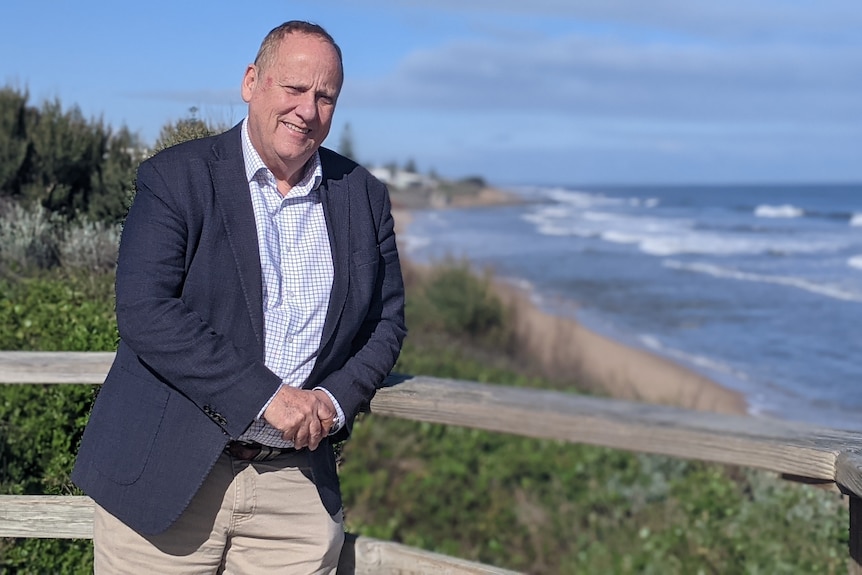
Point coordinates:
[[297, 129]]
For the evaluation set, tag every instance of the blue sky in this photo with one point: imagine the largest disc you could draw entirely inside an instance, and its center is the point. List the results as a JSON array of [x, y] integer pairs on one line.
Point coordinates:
[[539, 92]]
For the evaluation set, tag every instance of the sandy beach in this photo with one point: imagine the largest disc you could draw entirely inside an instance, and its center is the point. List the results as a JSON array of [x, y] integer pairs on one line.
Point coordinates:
[[563, 345]]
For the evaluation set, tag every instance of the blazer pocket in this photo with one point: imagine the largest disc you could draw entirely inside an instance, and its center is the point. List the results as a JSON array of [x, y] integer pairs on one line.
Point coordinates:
[[134, 407], [362, 258], [363, 277]]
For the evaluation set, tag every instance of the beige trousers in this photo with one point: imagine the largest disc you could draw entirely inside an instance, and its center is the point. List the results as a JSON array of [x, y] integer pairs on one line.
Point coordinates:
[[249, 517]]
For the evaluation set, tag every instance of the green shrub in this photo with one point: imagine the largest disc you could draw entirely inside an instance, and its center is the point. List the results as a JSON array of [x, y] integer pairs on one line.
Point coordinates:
[[34, 239], [69, 307], [188, 128], [41, 425], [533, 505], [457, 302], [28, 237], [547, 507], [54, 157], [58, 311]]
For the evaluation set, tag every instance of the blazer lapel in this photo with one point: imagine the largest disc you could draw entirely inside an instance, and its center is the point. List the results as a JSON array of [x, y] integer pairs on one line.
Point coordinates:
[[233, 199], [335, 199]]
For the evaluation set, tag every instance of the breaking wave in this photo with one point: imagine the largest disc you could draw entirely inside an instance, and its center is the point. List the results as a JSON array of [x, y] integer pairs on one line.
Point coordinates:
[[782, 211], [828, 290]]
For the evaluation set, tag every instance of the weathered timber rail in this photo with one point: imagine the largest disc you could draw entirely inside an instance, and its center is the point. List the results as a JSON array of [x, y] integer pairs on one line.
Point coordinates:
[[71, 517], [803, 452]]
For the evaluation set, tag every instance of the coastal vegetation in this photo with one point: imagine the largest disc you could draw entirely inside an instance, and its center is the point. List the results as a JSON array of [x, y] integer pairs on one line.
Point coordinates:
[[55, 158], [536, 506]]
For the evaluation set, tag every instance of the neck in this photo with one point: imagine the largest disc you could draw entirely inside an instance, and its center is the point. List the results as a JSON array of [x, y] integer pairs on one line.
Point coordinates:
[[287, 177]]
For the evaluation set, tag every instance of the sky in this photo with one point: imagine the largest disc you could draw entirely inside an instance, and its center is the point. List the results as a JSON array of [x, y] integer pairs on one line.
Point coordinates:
[[539, 92]]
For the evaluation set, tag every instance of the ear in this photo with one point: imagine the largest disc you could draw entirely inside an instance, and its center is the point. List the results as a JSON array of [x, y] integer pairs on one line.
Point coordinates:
[[248, 82]]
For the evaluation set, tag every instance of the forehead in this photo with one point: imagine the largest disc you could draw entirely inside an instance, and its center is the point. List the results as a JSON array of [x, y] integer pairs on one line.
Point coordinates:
[[301, 54]]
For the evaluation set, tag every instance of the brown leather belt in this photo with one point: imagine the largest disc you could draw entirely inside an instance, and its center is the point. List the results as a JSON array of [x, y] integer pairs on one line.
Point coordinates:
[[253, 451]]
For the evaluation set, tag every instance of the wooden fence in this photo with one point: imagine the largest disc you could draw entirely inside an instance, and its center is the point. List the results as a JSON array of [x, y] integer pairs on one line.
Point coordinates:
[[797, 451]]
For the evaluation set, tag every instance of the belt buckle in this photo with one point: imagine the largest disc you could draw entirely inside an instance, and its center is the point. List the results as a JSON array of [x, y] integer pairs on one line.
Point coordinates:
[[265, 452]]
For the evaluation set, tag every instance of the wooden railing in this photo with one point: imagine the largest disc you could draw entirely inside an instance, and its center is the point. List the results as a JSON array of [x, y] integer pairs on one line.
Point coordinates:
[[801, 452]]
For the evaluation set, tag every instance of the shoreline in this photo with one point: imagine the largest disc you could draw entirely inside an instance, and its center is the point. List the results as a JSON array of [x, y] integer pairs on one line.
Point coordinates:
[[563, 345]]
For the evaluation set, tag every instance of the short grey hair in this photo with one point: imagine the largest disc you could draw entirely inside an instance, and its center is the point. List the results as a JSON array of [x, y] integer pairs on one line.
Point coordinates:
[[270, 44]]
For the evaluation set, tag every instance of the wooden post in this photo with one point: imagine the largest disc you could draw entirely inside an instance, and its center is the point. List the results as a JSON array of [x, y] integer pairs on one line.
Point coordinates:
[[848, 476], [855, 566]]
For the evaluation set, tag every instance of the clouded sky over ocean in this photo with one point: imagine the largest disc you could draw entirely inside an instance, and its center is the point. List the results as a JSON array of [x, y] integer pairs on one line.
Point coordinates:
[[539, 91]]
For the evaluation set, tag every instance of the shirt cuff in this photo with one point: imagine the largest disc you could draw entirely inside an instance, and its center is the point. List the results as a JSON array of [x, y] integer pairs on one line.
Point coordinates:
[[339, 423], [265, 405]]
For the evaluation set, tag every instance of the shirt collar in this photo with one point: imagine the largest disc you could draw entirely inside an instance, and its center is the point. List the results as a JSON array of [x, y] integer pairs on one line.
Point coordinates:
[[311, 177]]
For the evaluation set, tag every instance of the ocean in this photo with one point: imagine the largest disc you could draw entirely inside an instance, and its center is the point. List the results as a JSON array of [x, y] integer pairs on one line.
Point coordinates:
[[757, 287]]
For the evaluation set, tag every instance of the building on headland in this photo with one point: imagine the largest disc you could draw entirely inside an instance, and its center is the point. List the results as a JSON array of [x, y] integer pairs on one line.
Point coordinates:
[[403, 178]]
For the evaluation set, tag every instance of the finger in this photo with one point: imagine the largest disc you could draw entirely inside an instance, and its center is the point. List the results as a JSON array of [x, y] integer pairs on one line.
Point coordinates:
[[301, 436], [328, 423], [325, 408], [300, 441], [289, 430], [315, 429], [289, 436]]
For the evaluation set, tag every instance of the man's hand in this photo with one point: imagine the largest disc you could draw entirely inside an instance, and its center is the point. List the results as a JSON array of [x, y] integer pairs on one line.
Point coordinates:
[[303, 416]]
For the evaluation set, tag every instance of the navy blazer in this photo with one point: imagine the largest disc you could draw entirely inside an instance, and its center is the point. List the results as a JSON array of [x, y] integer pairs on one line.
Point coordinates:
[[189, 373]]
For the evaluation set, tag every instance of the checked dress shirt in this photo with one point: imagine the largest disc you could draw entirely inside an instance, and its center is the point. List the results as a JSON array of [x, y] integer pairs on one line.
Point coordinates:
[[296, 264]]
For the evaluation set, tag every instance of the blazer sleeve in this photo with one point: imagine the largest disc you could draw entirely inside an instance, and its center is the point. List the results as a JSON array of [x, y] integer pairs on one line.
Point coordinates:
[[375, 346], [173, 340]]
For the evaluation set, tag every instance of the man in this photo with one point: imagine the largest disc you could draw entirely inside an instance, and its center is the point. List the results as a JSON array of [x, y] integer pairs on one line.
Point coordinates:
[[260, 305]]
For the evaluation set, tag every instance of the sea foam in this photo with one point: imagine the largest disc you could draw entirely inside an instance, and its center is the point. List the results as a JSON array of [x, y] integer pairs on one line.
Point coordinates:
[[657, 236], [832, 291], [583, 200], [634, 222], [700, 361], [783, 211]]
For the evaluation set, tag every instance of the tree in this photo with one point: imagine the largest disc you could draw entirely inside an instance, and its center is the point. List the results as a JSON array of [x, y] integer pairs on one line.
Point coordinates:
[[13, 139], [345, 144], [393, 168], [189, 128], [171, 134], [55, 158], [65, 150], [114, 181]]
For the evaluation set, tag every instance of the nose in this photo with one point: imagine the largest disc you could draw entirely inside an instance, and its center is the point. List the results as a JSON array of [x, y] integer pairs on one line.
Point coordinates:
[[306, 108]]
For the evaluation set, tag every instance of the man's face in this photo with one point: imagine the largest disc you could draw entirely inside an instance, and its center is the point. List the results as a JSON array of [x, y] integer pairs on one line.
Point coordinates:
[[291, 100]]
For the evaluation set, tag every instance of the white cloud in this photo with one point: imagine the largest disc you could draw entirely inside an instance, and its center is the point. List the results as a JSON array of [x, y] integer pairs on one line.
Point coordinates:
[[667, 90], [616, 76]]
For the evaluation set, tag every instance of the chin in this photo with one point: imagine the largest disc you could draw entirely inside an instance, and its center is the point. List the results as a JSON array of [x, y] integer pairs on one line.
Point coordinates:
[[293, 154]]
